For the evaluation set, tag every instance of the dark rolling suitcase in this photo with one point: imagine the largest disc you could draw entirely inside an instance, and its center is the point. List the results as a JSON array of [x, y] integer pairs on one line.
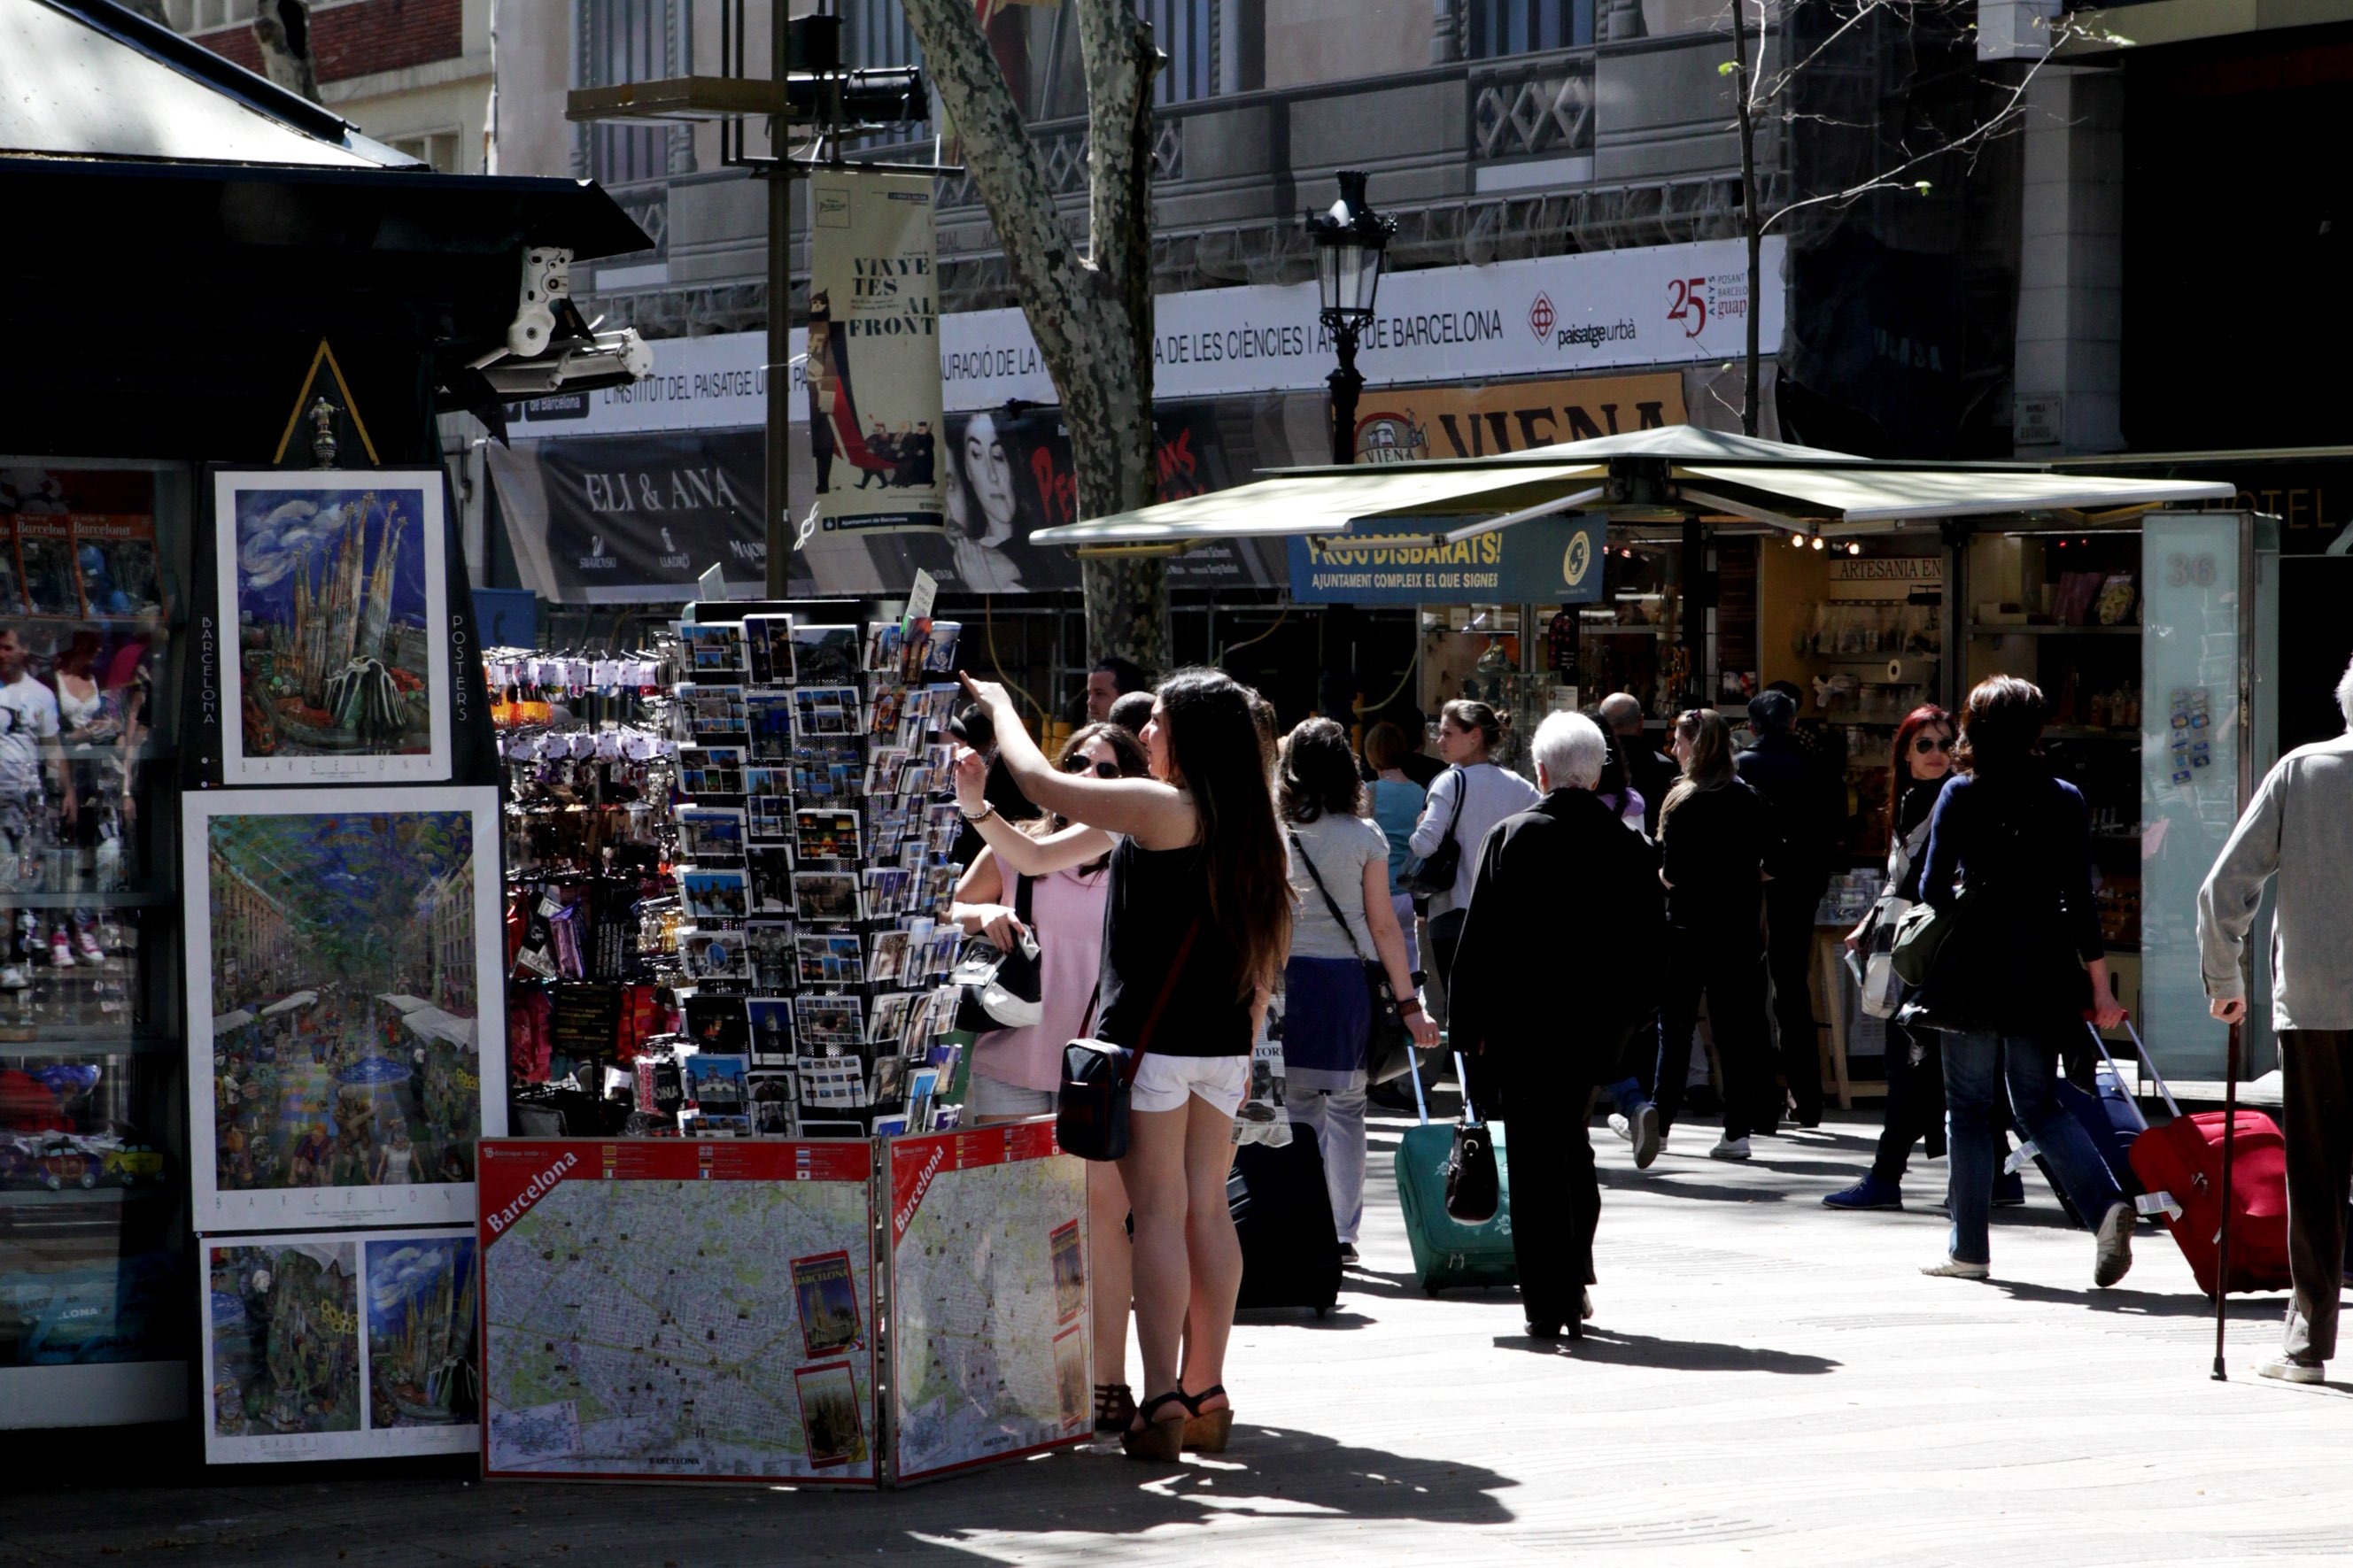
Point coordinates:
[[2109, 1118], [1283, 1212]]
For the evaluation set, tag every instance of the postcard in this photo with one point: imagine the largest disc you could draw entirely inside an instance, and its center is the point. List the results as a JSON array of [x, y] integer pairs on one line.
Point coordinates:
[[830, 1417]]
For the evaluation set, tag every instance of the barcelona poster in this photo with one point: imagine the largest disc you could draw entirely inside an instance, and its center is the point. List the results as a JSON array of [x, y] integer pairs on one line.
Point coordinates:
[[335, 596]]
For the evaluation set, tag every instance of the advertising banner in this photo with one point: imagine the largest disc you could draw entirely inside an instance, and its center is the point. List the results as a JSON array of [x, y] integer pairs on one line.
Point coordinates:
[[871, 352], [989, 1261], [1409, 424], [1548, 560], [637, 517], [680, 1309], [1554, 315]]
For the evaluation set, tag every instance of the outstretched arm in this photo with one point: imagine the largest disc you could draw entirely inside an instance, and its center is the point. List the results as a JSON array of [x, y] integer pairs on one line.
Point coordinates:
[[1157, 816], [1027, 855]]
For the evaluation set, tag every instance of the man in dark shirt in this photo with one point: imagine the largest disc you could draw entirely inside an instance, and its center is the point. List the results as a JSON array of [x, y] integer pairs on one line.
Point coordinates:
[[1650, 773], [1810, 813]]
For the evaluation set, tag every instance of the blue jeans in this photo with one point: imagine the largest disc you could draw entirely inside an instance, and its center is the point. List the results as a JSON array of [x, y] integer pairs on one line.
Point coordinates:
[[1628, 1094], [1974, 1067]]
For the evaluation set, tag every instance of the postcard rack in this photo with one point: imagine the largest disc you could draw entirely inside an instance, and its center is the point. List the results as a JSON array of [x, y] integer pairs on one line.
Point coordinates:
[[814, 838]]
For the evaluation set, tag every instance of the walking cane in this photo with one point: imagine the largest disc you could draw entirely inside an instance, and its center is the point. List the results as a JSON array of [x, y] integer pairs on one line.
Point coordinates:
[[2230, 1138]]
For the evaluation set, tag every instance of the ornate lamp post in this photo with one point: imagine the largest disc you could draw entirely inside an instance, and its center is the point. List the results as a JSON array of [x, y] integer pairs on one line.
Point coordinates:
[[1350, 240]]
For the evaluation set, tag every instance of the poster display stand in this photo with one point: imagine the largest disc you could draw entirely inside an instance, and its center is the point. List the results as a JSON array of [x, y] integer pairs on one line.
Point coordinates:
[[711, 1310]]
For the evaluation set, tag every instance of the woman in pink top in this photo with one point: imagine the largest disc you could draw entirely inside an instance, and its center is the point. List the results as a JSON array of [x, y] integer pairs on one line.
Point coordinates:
[[1015, 1072]]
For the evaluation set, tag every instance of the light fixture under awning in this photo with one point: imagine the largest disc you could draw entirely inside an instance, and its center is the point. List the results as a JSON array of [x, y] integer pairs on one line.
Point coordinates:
[[1325, 503]]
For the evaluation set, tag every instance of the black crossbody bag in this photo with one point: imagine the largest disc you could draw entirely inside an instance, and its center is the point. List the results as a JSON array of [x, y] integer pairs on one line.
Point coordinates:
[[1388, 1050], [1091, 1109]]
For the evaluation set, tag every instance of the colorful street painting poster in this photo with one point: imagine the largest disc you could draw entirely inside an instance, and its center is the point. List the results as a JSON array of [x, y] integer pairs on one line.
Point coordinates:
[[343, 1061], [333, 592], [334, 1345]]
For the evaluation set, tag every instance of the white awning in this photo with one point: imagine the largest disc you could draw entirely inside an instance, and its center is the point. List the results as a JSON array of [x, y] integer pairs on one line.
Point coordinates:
[[300, 999], [228, 1022], [434, 1025], [1860, 496], [1657, 474], [1326, 500], [402, 1004]]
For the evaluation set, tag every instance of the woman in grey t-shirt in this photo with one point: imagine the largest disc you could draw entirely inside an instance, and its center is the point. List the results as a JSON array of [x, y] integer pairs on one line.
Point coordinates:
[[1338, 862]]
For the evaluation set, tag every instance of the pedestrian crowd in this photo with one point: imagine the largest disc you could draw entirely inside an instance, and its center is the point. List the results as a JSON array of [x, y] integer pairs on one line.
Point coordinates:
[[1190, 862]]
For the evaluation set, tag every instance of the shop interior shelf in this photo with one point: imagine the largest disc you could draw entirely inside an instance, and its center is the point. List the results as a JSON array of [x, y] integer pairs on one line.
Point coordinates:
[[2042, 629], [45, 1040], [128, 898], [72, 1194]]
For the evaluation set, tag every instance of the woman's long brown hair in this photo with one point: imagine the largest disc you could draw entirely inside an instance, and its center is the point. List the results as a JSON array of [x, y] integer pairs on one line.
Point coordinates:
[[1213, 749], [1710, 767]]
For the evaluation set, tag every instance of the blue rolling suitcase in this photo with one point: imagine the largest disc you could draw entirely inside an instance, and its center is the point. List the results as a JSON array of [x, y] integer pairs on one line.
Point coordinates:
[[1448, 1255], [2109, 1117]]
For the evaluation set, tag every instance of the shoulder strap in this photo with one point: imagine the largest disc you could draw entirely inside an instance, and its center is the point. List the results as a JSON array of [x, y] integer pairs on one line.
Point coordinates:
[[1330, 902], [1160, 1003]]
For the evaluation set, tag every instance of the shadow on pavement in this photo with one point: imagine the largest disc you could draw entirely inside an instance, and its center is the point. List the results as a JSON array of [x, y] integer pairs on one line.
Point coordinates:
[[2262, 1309], [1669, 1355], [1652, 1181], [1092, 1492]]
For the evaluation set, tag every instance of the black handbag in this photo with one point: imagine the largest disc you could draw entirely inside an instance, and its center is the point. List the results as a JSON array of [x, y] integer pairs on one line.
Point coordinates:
[[1428, 876], [1473, 1189], [1388, 1048], [1090, 1108], [1000, 988]]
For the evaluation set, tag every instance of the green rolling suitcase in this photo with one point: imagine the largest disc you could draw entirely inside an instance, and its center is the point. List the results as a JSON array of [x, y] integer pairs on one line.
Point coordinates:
[[1447, 1254]]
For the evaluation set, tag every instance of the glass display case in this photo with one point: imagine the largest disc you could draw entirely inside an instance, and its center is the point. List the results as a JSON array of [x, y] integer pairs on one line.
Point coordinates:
[[94, 1322]]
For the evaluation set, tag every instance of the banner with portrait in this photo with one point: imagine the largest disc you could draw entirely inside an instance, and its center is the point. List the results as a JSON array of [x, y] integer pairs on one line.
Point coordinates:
[[874, 360]]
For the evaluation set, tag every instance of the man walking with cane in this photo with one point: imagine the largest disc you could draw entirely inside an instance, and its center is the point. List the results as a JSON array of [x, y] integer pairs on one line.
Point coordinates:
[[2299, 829]]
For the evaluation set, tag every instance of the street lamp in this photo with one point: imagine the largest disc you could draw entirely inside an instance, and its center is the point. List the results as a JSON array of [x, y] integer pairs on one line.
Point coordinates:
[[1350, 240]]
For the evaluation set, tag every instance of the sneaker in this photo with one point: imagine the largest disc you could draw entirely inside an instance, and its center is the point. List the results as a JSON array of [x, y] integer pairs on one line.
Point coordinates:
[[1870, 1192], [12, 978], [86, 947], [2288, 1369], [1954, 1268], [2010, 1190], [60, 950], [1620, 1126], [1647, 1139], [2113, 1260], [1729, 1149]]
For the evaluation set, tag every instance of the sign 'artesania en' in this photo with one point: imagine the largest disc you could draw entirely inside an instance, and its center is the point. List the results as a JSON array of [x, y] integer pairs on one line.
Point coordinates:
[[872, 379]]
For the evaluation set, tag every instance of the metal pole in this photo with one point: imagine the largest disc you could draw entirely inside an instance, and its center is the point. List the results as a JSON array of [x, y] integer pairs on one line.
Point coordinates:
[[1346, 385], [780, 313]]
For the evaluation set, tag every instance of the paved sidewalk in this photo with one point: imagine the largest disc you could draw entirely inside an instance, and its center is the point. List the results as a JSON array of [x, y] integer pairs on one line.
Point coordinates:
[[1766, 1383]]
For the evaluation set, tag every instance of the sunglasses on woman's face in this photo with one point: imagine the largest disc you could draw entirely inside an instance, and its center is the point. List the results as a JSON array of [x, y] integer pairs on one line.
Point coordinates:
[[1083, 764], [1925, 744]]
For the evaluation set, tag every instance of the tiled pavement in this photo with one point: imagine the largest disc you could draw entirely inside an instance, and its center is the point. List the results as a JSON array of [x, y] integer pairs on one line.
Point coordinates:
[[1766, 1383]]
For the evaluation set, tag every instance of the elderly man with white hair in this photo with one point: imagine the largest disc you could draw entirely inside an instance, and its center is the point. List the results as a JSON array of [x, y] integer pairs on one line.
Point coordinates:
[[2299, 830], [1559, 969]]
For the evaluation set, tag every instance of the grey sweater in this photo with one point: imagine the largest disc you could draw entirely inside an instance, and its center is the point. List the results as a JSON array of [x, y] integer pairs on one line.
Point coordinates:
[[2299, 828]]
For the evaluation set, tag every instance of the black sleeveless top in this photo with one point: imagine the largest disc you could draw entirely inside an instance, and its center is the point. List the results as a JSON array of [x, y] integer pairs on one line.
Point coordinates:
[[1155, 897]]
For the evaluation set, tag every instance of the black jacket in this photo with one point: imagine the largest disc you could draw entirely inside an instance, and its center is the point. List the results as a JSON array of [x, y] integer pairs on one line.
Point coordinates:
[[2021, 848], [1562, 950], [1808, 802]]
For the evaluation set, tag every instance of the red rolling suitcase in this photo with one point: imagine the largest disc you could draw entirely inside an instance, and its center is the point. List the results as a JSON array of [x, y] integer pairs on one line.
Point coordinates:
[[2182, 1165]]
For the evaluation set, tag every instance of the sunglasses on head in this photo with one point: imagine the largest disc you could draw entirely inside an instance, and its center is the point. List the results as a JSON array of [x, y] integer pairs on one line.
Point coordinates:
[[1924, 744], [1083, 764]]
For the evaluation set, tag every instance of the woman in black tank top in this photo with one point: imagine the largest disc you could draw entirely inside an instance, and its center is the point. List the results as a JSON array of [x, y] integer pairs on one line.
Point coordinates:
[[1195, 929]]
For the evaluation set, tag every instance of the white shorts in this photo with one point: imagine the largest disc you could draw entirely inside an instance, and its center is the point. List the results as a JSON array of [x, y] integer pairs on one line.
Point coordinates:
[[1164, 1083], [994, 1096]]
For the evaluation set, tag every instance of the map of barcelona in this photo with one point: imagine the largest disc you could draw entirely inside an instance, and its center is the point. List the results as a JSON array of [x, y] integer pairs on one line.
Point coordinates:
[[684, 1310]]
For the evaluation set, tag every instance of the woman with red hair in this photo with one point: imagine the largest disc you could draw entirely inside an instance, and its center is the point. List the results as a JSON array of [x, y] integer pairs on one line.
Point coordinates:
[[1923, 760]]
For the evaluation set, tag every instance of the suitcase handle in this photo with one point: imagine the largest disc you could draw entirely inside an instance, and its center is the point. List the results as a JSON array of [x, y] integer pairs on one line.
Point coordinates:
[[2147, 1064], [1462, 1076], [1413, 1067]]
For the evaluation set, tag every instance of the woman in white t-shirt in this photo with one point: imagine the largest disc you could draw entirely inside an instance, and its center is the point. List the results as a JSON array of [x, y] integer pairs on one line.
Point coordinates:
[[1469, 798], [1340, 877]]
